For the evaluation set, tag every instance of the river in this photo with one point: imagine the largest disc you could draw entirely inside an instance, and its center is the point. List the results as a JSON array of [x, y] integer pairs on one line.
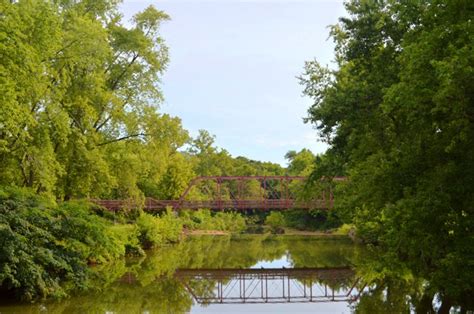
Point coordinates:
[[236, 274]]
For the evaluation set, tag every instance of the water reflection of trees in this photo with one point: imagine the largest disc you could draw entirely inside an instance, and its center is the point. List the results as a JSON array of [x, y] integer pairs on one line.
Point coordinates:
[[141, 284], [393, 288], [245, 251], [150, 284]]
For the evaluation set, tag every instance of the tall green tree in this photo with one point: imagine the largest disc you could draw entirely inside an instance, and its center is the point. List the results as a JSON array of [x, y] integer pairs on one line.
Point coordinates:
[[75, 82], [398, 115]]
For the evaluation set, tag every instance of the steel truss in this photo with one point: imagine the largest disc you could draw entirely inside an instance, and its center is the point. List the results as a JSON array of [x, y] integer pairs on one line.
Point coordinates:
[[292, 285], [275, 193]]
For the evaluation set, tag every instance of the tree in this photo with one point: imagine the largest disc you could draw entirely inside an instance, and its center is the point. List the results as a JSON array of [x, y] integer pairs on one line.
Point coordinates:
[[300, 163], [176, 178], [72, 86], [398, 116]]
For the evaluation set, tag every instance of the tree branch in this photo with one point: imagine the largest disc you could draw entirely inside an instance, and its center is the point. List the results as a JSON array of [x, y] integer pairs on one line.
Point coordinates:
[[115, 83], [121, 138]]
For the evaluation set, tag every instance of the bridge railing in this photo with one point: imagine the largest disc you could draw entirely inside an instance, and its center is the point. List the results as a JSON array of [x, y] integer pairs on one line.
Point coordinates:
[[275, 200], [153, 204]]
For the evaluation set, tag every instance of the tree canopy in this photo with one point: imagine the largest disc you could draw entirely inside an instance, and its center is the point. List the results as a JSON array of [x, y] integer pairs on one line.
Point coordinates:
[[80, 97], [399, 118]]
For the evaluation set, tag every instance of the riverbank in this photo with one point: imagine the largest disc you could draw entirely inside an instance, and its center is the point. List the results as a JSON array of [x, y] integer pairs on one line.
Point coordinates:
[[47, 247], [174, 278], [187, 232], [287, 232]]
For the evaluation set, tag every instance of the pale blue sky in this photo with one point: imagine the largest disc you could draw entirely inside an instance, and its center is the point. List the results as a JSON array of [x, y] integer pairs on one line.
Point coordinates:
[[233, 69]]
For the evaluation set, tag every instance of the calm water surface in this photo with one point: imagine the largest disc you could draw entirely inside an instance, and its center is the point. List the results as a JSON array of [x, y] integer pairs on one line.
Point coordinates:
[[238, 274]]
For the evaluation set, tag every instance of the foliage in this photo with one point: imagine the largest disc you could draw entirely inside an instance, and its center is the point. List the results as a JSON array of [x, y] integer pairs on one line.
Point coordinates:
[[312, 220], [345, 229], [79, 96], [204, 219], [300, 163], [127, 236], [275, 220], [176, 178], [45, 249], [398, 116], [231, 221], [155, 231]]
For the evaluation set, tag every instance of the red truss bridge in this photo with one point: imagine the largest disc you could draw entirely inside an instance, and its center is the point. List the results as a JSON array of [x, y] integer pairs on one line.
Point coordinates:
[[267, 285], [274, 285], [235, 193]]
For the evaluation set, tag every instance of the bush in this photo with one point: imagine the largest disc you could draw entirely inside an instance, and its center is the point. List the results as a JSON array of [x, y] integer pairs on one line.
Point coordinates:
[[197, 220], [204, 219], [45, 249], [127, 236], [171, 226], [154, 231], [345, 229], [311, 219], [86, 232], [233, 222], [275, 220]]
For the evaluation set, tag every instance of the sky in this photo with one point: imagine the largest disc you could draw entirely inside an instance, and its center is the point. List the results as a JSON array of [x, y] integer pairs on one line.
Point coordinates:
[[233, 68]]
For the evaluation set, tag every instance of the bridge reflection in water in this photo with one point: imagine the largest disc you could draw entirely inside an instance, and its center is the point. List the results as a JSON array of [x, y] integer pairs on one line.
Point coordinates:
[[271, 285]]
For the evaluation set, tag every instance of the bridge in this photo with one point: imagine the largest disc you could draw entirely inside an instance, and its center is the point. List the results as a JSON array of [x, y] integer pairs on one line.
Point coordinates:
[[268, 285], [235, 193]]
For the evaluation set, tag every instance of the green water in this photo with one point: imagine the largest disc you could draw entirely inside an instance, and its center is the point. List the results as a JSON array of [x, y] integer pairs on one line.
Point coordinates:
[[238, 274]]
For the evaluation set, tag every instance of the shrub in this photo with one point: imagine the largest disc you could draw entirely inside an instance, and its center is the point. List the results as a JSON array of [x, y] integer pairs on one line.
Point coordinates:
[[311, 219], [148, 232], [127, 236], [204, 219], [345, 229], [45, 249], [197, 220], [86, 232], [155, 231], [233, 222], [275, 220]]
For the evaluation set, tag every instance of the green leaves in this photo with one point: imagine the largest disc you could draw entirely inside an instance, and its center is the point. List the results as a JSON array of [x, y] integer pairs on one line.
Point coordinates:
[[156, 231], [204, 219], [398, 116], [73, 80], [80, 93], [44, 247]]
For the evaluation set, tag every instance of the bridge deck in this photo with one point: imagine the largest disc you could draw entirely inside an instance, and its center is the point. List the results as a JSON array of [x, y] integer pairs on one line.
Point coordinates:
[[153, 204], [274, 193]]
